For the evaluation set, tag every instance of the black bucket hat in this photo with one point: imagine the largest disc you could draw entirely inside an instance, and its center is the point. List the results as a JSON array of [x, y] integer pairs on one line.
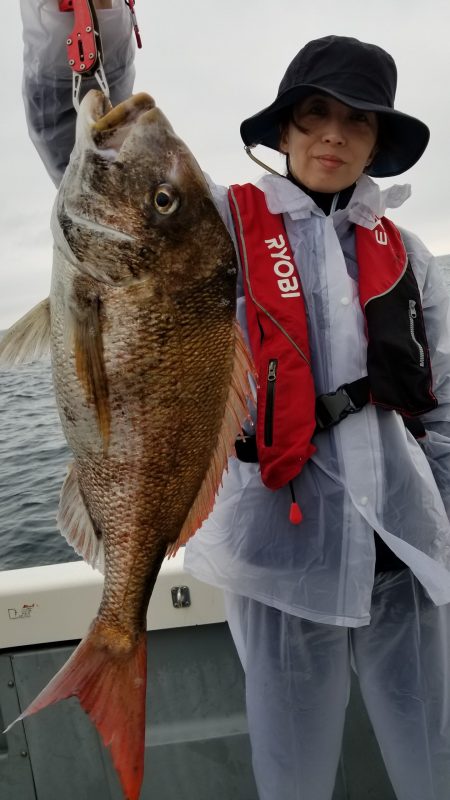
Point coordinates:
[[360, 75]]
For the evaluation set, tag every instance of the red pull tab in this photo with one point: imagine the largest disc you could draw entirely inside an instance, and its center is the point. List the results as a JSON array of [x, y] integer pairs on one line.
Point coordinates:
[[82, 49], [295, 515]]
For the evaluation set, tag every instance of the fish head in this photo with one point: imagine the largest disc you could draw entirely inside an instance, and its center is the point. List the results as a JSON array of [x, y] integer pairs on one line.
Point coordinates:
[[134, 204]]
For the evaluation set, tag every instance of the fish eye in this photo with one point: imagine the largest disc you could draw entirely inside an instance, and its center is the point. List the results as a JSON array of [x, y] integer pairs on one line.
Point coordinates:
[[165, 199]]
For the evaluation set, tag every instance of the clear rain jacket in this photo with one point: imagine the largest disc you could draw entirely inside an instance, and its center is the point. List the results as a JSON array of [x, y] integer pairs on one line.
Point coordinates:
[[368, 473]]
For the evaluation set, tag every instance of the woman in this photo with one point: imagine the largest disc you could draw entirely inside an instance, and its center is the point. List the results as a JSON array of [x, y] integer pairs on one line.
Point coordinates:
[[305, 601], [310, 588]]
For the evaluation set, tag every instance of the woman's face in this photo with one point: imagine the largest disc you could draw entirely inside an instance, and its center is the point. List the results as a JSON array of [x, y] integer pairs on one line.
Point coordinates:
[[328, 143]]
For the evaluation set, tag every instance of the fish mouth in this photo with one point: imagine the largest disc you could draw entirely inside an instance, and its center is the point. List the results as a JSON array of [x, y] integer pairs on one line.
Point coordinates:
[[108, 127]]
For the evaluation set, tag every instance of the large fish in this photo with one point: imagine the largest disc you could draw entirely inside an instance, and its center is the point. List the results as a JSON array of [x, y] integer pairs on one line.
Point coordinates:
[[151, 380]]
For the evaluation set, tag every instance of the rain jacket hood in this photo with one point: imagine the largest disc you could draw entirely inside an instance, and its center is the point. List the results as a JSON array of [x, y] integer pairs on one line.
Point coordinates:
[[367, 202]]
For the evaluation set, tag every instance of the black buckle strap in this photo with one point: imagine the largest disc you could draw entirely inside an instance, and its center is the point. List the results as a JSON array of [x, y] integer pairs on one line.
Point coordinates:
[[333, 407], [246, 449]]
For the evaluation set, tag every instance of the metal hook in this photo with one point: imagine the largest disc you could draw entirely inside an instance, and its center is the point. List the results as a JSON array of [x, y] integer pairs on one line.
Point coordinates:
[[99, 76]]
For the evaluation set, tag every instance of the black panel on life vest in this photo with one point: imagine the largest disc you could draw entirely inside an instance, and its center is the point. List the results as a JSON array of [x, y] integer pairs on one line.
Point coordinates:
[[398, 360]]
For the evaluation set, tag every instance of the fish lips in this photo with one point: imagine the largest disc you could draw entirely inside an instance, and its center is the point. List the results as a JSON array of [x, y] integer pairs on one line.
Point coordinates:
[[105, 129]]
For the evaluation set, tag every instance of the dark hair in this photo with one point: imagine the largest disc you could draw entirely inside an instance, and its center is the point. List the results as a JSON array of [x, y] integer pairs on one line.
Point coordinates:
[[384, 140], [284, 118]]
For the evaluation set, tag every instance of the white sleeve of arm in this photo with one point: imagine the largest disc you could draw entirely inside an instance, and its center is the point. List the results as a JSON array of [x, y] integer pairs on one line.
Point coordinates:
[[47, 77], [220, 197]]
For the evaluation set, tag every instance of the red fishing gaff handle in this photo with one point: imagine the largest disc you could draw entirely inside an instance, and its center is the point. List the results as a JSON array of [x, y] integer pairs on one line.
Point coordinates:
[[68, 5], [83, 43]]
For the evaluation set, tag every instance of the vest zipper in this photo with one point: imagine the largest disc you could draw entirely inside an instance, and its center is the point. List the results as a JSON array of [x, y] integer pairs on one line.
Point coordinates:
[[412, 318], [270, 401]]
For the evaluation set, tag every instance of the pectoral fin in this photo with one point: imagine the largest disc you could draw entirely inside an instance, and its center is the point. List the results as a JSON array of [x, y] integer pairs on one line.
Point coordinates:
[[29, 338], [90, 366]]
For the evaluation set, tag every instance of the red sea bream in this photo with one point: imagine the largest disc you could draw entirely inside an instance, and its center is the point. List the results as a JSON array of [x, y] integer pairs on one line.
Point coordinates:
[[151, 380]]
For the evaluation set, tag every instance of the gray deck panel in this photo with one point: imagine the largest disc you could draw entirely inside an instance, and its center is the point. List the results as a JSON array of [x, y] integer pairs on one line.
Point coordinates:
[[16, 779], [196, 736], [196, 732]]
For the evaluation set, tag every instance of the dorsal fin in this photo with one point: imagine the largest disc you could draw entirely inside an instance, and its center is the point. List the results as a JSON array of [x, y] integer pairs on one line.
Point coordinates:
[[29, 338], [236, 411]]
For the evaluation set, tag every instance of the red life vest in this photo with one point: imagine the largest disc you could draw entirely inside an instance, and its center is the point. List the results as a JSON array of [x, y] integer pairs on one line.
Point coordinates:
[[398, 362]]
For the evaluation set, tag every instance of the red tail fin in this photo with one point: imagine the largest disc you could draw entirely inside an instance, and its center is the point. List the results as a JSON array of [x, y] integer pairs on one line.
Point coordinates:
[[109, 678]]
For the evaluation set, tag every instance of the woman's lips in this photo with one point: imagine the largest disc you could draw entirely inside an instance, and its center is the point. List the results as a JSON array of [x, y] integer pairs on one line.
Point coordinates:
[[330, 162]]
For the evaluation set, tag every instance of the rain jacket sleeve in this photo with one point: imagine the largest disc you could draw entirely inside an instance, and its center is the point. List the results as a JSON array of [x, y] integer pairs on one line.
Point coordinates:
[[47, 77], [220, 197], [436, 310]]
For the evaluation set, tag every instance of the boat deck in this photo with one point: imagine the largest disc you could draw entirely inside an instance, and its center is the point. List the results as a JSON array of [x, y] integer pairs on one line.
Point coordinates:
[[197, 745]]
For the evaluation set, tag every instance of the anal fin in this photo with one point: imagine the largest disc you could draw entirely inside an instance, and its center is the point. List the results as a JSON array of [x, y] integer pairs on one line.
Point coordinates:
[[76, 525]]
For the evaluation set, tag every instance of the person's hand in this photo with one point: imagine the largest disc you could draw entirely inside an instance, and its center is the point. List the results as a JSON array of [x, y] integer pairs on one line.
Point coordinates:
[[103, 3]]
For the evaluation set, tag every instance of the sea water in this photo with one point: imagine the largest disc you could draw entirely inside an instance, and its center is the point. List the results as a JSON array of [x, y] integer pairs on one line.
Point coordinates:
[[33, 462]]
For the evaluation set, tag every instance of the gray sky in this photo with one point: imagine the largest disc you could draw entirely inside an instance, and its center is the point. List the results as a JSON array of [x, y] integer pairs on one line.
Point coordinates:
[[209, 65]]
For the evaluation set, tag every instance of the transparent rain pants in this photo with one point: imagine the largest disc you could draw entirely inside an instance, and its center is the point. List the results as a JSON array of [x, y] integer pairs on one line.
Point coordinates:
[[298, 683]]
